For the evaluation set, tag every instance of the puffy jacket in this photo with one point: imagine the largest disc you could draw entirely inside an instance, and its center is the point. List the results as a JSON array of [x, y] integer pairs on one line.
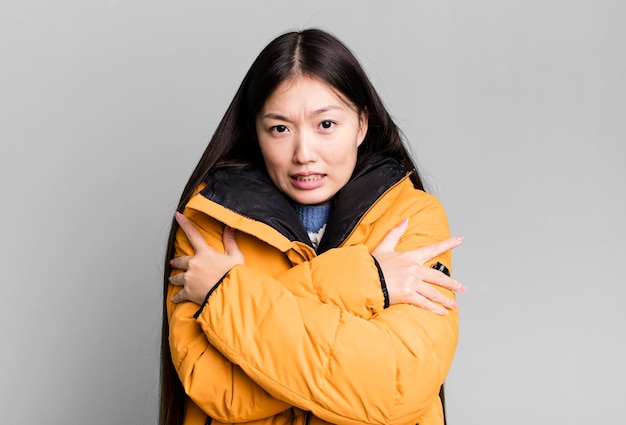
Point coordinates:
[[296, 336]]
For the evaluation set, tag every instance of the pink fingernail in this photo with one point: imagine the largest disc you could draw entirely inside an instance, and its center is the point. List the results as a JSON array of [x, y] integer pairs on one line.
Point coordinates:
[[454, 304], [459, 238], [462, 288]]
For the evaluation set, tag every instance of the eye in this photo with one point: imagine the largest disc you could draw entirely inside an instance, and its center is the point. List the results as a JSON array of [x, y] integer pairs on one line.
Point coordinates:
[[278, 129], [327, 124]]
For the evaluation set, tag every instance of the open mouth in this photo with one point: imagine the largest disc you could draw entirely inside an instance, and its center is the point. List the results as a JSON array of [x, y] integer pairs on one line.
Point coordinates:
[[310, 178]]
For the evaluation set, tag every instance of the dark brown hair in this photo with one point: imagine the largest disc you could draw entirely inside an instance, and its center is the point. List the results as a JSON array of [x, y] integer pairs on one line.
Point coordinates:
[[312, 53]]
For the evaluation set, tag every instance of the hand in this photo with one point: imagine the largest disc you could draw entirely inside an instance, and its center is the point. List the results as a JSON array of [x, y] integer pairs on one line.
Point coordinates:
[[202, 271], [408, 280]]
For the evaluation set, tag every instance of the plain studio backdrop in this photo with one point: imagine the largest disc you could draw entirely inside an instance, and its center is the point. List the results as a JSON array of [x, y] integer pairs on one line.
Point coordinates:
[[515, 111]]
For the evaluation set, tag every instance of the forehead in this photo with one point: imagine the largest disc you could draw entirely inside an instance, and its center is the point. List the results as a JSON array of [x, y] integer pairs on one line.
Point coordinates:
[[306, 93]]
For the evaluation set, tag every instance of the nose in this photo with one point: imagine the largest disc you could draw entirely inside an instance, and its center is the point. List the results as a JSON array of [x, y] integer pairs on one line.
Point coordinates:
[[304, 149]]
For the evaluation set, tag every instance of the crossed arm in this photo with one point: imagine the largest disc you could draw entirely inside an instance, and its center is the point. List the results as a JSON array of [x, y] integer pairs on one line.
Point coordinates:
[[325, 323]]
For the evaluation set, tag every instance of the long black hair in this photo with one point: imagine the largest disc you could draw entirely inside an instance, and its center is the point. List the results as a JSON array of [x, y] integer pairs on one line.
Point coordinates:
[[311, 53]]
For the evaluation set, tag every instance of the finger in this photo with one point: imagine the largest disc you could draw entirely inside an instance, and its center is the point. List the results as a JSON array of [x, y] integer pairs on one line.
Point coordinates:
[[431, 251], [179, 297], [195, 238], [440, 279], [422, 302], [429, 292], [389, 242], [177, 279], [181, 263], [231, 248]]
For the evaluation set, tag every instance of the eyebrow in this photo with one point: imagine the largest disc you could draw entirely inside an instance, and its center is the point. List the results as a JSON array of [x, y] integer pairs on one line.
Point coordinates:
[[316, 112]]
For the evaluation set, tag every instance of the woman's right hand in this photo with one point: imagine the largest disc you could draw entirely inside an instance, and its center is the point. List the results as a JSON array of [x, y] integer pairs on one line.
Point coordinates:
[[408, 281]]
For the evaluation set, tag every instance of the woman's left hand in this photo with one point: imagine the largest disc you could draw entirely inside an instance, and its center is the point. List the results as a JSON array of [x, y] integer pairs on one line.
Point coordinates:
[[202, 271]]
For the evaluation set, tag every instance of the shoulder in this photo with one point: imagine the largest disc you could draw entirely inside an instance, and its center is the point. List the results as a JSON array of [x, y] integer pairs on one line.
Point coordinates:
[[406, 201], [426, 215]]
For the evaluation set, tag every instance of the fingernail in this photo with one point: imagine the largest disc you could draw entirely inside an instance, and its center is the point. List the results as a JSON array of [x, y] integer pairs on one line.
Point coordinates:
[[461, 288], [453, 304], [177, 214], [459, 238], [443, 311]]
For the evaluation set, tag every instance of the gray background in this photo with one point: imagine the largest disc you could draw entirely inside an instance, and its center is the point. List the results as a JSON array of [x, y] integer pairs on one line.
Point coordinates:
[[515, 111]]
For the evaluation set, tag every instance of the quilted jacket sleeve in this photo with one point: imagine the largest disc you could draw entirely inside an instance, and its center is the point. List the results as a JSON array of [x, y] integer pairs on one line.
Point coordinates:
[[355, 288], [220, 388], [385, 369]]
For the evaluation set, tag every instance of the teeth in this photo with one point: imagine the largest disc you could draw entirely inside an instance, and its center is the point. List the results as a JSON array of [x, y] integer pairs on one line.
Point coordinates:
[[308, 178]]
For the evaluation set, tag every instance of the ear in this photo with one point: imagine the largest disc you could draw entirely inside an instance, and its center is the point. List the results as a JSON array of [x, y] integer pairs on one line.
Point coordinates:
[[363, 122]]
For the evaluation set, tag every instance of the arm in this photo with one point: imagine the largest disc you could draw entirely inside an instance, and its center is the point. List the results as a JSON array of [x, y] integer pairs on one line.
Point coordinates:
[[345, 369], [220, 388], [355, 289], [359, 283]]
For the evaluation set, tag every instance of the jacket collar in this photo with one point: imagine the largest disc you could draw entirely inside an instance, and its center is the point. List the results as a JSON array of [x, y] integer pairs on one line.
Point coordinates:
[[248, 191]]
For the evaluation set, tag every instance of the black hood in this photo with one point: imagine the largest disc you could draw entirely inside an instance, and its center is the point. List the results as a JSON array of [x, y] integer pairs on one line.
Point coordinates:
[[248, 191]]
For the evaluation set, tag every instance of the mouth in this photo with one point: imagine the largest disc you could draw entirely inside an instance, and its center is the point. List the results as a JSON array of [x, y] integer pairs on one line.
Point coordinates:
[[307, 178]]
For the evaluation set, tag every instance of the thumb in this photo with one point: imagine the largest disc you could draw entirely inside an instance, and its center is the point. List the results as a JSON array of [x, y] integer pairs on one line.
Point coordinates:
[[389, 242], [230, 243]]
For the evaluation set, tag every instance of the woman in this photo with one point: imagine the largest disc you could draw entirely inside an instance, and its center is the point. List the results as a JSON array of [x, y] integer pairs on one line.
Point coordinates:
[[299, 287]]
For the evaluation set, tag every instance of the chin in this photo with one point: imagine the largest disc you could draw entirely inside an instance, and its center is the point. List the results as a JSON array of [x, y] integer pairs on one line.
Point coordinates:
[[312, 200]]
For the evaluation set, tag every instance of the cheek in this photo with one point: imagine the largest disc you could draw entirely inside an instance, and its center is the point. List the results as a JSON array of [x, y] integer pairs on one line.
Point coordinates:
[[343, 160], [348, 150], [273, 158]]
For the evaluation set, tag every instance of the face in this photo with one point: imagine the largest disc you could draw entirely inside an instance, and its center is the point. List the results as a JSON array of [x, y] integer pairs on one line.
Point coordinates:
[[309, 134]]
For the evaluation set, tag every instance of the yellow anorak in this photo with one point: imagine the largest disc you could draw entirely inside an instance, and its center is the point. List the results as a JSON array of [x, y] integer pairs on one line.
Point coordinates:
[[296, 336]]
